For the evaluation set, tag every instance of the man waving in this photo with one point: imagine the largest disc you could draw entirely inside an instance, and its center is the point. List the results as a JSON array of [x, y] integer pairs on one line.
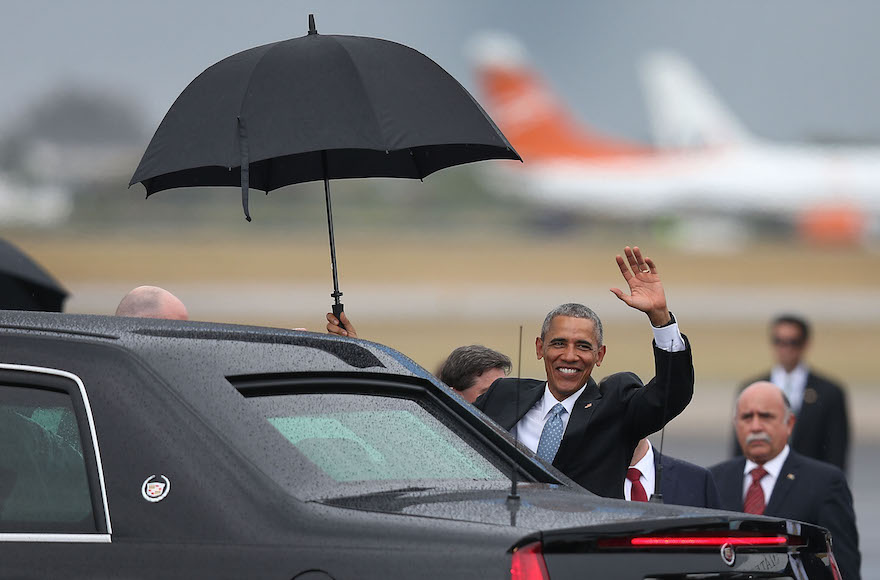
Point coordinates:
[[589, 430]]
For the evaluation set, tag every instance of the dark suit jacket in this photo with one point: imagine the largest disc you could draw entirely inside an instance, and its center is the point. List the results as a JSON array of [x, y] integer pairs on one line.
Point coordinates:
[[806, 490], [684, 483], [822, 428], [608, 419]]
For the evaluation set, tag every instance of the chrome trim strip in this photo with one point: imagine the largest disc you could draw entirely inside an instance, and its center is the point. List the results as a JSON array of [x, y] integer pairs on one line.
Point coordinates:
[[57, 538], [88, 407]]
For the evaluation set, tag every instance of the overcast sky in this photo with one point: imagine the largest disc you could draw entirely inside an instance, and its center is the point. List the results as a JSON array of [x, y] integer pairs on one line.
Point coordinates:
[[790, 69]]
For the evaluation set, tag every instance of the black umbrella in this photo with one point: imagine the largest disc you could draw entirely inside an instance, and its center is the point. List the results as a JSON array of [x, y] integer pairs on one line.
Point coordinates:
[[318, 107], [25, 285]]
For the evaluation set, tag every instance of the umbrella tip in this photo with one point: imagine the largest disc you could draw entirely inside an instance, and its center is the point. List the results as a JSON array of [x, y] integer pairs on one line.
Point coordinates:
[[312, 29]]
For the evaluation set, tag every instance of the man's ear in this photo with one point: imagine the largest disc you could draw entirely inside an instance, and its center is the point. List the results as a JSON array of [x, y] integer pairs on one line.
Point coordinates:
[[791, 420], [539, 348], [600, 356]]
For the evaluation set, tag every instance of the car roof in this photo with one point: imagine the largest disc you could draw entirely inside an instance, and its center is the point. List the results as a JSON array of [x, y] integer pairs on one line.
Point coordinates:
[[238, 349], [207, 367]]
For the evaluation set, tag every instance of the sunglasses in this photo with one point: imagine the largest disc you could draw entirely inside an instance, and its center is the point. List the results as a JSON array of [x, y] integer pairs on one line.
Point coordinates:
[[794, 342]]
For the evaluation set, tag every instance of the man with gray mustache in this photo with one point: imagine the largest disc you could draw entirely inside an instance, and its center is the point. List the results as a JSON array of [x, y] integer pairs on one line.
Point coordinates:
[[773, 480]]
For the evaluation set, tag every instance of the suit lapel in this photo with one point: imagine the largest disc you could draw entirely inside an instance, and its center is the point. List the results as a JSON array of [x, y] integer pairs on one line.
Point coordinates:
[[730, 486], [811, 404], [784, 483], [578, 423], [530, 391], [668, 487]]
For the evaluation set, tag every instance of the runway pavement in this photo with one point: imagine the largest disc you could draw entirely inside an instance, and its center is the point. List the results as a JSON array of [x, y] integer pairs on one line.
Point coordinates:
[[260, 300]]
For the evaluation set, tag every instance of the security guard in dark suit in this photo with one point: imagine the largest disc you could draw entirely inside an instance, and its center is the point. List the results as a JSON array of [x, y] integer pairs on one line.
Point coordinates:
[[822, 428]]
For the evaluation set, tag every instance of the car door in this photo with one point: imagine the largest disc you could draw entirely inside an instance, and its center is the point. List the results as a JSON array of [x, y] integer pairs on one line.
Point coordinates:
[[52, 493]]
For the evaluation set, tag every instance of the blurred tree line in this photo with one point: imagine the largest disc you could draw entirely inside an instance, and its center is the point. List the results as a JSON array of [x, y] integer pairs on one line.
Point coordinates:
[[89, 143]]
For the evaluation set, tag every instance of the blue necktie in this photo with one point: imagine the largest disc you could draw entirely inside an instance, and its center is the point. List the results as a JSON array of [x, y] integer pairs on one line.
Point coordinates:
[[551, 436]]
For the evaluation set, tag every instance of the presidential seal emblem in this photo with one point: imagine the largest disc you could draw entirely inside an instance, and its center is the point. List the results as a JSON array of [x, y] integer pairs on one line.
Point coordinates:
[[155, 489]]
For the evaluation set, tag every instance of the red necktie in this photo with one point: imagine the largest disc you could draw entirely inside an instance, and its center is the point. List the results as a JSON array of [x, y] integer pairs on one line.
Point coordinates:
[[754, 503], [638, 491]]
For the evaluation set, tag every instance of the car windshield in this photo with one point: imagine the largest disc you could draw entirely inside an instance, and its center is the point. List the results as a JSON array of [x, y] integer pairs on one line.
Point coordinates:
[[384, 442]]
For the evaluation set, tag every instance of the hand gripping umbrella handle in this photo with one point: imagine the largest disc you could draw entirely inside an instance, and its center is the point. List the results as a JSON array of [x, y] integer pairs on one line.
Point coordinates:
[[337, 310]]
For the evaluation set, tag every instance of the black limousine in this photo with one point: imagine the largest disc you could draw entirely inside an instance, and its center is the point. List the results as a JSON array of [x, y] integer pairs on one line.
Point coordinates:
[[135, 448]]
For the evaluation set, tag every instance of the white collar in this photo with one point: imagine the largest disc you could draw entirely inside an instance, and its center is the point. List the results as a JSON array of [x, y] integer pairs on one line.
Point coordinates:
[[646, 463], [798, 373], [548, 401], [772, 467]]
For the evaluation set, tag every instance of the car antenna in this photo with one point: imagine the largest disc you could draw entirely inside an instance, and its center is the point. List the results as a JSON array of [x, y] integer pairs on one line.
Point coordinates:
[[513, 498], [657, 496]]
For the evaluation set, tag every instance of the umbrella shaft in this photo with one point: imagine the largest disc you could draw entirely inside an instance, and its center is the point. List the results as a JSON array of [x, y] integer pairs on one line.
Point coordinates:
[[336, 293]]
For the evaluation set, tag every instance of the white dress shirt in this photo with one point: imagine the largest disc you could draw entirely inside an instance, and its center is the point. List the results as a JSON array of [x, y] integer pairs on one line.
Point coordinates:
[[648, 478], [773, 468], [668, 338], [793, 384], [528, 429]]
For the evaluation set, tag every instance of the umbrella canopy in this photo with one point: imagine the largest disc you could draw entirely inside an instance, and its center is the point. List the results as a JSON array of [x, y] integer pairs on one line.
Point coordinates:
[[318, 107], [375, 107], [25, 285]]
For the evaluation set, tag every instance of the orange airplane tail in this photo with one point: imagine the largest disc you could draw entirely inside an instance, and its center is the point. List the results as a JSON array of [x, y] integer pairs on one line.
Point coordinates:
[[534, 121]]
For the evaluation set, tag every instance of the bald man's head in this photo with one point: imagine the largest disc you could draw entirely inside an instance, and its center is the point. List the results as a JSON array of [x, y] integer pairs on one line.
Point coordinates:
[[763, 421], [152, 302]]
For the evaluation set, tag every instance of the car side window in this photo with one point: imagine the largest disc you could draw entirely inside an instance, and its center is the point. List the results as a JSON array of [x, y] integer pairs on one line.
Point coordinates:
[[43, 479]]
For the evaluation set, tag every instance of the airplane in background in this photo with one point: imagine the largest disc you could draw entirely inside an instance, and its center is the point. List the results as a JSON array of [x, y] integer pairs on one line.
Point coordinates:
[[704, 162]]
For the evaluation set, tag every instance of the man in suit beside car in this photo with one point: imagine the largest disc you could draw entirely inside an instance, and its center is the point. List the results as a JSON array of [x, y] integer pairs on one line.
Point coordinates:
[[678, 482], [590, 430], [467, 369], [822, 428], [774, 480]]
